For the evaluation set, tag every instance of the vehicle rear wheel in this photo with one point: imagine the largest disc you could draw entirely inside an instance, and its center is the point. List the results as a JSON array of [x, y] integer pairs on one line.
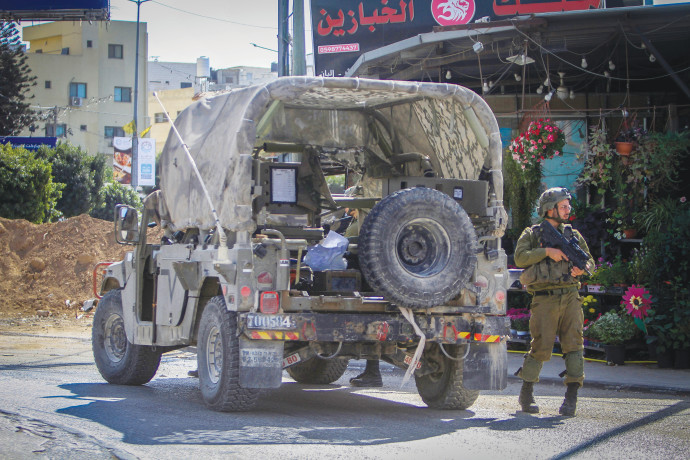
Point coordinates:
[[218, 360], [417, 247], [443, 389], [318, 371], [119, 361]]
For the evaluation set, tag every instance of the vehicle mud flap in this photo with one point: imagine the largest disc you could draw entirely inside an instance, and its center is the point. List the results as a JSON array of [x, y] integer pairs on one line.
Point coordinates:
[[486, 367], [261, 363]]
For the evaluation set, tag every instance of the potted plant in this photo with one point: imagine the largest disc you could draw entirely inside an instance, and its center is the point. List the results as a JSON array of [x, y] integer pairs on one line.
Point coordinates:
[[519, 321], [609, 276], [614, 330], [628, 137]]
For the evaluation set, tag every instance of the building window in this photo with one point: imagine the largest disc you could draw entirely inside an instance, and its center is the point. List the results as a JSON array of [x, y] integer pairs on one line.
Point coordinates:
[[77, 90], [47, 84], [53, 130], [123, 94], [113, 131], [185, 84], [160, 117], [82, 128], [89, 44], [65, 51], [114, 51], [39, 51]]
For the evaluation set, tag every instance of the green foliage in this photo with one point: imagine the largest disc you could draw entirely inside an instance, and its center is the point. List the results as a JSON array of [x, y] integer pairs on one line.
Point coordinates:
[[27, 190], [521, 191], [112, 194], [336, 184], [611, 273], [657, 161], [83, 176], [612, 329], [665, 268], [599, 169], [15, 82], [659, 213]]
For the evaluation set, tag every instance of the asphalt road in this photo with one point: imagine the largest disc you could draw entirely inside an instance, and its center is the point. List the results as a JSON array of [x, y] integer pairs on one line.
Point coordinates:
[[54, 404]]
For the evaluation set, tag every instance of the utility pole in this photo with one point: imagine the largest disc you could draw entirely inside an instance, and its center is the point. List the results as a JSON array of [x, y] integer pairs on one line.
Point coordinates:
[[299, 66], [135, 142], [283, 40]]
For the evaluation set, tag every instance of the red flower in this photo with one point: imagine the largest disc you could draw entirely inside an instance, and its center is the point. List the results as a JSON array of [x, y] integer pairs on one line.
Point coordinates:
[[637, 301]]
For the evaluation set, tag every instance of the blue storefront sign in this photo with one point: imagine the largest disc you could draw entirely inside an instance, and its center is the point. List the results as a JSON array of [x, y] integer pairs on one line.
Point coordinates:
[[29, 143]]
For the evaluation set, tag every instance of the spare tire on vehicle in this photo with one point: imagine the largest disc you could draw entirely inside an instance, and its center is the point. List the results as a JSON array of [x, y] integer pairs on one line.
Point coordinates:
[[417, 247]]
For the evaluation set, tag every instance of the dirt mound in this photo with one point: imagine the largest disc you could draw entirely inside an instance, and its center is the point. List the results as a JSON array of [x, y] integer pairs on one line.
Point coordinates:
[[49, 267]]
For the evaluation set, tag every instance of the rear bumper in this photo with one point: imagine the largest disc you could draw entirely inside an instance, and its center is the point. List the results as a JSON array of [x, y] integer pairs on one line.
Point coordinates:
[[374, 327]]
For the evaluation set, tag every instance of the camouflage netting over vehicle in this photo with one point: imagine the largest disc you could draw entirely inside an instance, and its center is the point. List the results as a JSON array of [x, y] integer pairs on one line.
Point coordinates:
[[364, 123]]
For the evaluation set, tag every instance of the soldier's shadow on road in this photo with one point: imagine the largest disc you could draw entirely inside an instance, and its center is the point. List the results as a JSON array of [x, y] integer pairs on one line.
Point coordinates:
[[171, 411]]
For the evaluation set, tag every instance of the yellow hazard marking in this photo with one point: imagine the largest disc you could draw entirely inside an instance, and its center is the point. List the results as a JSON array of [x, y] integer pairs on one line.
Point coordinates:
[[274, 335]]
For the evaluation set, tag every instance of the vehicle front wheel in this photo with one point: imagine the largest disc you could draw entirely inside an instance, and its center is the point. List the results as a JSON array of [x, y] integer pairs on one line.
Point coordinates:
[[119, 361], [443, 389], [218, 360], [318, 371]]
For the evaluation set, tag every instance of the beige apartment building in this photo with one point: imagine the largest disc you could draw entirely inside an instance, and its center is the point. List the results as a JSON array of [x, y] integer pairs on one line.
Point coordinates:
[[85, 80], [174, 101]]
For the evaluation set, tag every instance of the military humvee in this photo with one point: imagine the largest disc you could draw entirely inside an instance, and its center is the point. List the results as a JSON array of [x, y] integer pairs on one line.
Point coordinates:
[[244, 197]]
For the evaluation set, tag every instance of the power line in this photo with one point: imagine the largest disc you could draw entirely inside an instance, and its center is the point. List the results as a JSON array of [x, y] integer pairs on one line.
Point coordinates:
[[214, 18]]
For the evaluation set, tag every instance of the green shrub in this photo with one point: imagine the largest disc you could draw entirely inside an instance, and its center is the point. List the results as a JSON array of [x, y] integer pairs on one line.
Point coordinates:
[[112, 194], [612, 329], [83, 176], [27, 190], [521, 191]]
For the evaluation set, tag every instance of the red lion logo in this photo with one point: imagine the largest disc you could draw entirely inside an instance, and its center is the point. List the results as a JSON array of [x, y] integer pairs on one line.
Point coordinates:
[[452, 12]]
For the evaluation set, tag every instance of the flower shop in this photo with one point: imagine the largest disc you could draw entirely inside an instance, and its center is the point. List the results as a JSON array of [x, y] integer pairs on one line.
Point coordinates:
[[630, 204]]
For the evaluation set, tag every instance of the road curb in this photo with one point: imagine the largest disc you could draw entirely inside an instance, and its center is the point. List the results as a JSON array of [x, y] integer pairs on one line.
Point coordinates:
[[613, 386]]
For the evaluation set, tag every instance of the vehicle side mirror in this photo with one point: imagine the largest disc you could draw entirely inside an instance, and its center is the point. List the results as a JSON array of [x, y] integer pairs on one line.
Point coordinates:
[[126, 224]]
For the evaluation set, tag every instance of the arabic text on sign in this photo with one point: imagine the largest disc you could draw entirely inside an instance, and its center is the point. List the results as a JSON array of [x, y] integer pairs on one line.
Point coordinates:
[[339, 26]]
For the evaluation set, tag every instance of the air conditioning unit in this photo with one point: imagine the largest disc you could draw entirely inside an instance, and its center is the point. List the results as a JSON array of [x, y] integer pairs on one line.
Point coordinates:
[[75, 101]]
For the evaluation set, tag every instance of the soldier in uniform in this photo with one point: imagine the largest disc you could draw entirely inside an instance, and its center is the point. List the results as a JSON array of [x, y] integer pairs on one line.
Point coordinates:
[[556, 306]]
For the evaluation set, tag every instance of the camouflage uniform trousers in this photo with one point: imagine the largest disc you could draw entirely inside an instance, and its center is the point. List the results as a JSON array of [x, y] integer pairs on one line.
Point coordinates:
[[555, 315]]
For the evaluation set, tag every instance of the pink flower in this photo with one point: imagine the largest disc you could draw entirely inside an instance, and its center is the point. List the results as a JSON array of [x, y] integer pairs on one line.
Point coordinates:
[[682, 199], [637, 301]]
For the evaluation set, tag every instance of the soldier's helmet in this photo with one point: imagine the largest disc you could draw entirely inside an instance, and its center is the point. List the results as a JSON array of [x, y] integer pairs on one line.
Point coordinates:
[[551, 197]]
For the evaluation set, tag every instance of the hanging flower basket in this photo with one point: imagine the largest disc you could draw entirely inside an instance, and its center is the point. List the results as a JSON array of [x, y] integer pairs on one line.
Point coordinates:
[[630, 233], [624, 148], [542, 140]]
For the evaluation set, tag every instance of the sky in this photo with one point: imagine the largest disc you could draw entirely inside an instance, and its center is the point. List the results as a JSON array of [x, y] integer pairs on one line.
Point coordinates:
[[222, 30]]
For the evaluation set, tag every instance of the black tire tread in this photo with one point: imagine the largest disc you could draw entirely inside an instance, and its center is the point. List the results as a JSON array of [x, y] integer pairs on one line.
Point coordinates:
[[231, 397], [376, 264], [140, 363], [453, 395], [318, 371]]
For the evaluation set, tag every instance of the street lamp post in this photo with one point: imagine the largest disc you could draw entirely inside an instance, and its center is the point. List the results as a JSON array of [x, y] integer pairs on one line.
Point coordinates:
[[135, 142]]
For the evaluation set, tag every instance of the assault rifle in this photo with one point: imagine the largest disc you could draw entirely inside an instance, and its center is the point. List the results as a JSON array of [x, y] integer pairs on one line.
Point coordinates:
[[552, 238]]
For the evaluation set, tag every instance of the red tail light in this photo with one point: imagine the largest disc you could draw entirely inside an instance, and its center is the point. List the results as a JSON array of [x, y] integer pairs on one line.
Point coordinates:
[[270, 303]]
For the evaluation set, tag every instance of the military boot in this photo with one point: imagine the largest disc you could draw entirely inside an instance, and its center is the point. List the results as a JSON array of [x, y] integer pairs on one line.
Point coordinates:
[[526, 398], [371, 377], [570, 402]]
